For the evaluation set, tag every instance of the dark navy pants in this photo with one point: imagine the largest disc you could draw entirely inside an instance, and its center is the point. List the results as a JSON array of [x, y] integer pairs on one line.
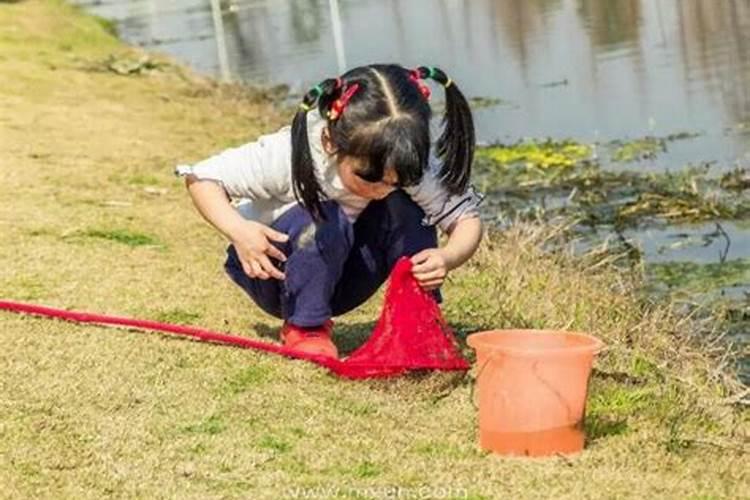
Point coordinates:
[[334, 266]]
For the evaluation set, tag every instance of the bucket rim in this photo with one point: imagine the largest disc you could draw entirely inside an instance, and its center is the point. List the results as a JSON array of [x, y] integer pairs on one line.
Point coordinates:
[[596, 347]]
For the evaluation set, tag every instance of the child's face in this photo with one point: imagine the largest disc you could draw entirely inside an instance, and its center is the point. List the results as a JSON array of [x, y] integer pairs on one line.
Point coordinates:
[[348, 167]]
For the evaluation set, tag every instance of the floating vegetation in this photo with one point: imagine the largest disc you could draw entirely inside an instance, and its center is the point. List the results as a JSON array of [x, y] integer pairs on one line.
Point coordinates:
[[736, 180], [640, 149], [701, 278], [686, 240], [690, 195], [740, 128], [599, 197], [675, 206], [558, 83], [476, 103], [540, 154], [645, 148], [480, 102]]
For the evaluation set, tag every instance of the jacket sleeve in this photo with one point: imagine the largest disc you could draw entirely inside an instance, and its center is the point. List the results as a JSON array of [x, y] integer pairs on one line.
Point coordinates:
[[258, 170], [441, 207]]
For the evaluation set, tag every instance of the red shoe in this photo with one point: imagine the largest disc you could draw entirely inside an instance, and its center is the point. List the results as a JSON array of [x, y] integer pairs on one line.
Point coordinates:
[[315, 340]]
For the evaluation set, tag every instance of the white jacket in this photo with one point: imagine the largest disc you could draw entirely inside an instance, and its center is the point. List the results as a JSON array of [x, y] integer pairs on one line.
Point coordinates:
[[258, 178]]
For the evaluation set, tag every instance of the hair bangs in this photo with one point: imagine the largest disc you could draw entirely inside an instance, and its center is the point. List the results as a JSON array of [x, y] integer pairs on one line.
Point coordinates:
[[400, 144]]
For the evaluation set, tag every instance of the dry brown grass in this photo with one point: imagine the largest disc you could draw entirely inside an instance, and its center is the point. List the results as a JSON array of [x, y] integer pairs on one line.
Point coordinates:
[[91, 218]]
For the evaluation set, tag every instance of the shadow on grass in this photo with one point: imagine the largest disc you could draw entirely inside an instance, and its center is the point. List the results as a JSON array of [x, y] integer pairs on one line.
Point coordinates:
[[347, 336], [602, 426], [350, 336]]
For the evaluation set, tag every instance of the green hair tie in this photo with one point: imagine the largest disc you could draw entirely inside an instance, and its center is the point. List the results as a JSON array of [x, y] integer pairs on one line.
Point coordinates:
[[304, 107], [318, 90], [431, 72]]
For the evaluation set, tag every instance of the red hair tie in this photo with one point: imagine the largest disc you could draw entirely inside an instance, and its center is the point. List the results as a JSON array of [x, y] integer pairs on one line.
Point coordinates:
[[339, 104], [416, 77]]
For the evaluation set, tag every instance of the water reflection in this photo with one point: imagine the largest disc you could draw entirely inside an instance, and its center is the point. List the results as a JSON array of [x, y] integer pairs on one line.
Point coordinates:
[[611, 24], [590, 69], [715, 44]]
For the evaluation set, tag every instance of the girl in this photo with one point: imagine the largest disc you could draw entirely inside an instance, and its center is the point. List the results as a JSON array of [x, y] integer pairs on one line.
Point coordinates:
[[319, 213]]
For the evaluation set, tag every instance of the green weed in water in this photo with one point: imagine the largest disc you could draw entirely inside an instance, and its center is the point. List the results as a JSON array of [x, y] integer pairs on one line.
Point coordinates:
[[599, 197], [698, 277], [645, 148], [541, 154], [736, 180], [640, 149]]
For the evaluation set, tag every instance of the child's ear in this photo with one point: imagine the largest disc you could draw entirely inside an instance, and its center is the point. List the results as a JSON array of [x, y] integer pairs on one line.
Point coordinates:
[[325, 139]]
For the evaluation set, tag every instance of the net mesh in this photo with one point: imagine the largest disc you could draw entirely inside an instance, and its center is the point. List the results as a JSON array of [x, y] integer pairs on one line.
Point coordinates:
[[410, 334]]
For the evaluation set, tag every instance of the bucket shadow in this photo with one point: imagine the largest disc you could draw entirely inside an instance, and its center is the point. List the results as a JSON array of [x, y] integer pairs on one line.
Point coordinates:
[[603, 426]]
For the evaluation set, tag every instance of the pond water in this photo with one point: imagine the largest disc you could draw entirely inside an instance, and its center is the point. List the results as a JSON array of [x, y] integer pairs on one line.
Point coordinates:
[[590, 70]]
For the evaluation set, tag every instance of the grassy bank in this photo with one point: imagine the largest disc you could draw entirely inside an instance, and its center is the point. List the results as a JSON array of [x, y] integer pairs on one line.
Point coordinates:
[[91, 218]]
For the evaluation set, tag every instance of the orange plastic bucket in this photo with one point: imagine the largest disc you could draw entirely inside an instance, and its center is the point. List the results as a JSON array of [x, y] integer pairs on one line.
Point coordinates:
[[532, 387]]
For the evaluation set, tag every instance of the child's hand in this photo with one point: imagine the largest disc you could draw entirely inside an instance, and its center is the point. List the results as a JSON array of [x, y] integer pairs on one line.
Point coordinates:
[[429, 268], [253, 244]]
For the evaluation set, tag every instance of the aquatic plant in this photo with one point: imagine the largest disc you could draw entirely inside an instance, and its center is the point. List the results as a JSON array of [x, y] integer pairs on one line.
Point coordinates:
[[699, 277], [737, 180], [598, 196], [645, 148], [542, 154]]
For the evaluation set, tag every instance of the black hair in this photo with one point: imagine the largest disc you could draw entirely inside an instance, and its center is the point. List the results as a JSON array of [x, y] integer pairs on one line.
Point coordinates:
[[386, 121]]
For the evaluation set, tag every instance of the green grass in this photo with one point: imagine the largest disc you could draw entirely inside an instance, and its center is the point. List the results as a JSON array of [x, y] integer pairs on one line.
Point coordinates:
[[90, 412], [124, 236], [212, 425], [179, 316]]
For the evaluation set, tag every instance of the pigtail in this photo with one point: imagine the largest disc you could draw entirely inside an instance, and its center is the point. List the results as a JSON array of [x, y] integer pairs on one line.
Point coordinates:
[[455, 146], [305, 183]]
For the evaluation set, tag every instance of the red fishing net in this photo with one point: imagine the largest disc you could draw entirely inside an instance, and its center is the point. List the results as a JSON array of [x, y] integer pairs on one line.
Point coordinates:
[[411, 333]]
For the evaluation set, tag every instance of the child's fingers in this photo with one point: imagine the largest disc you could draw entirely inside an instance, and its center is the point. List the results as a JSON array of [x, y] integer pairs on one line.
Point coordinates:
[[432, 281], [424, 266], [431, 285], [422, 269], [259, 272], [274, 235], [435, 273], [276, 253], [270, 268], [247, 269], [420, 257]]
